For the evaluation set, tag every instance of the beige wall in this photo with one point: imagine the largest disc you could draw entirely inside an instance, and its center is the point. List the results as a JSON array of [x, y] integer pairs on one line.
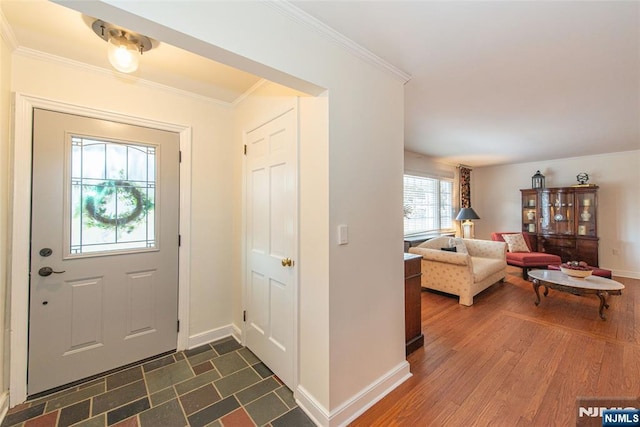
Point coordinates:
[[212, 197], [496, 198], [5, 115]]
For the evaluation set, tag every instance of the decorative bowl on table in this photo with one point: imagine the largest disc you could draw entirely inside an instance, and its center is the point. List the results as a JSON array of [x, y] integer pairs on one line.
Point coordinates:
[[576, 269]]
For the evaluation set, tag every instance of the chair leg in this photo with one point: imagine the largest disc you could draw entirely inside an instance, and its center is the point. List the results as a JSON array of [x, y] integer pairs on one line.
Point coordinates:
[[466, 300]]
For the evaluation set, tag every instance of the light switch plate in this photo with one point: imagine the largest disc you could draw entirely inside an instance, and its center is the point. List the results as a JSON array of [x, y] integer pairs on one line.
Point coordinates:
[[343, 234]]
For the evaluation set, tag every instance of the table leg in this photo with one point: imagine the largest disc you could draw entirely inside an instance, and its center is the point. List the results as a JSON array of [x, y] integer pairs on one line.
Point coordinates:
[[603, 304], [536, 285]]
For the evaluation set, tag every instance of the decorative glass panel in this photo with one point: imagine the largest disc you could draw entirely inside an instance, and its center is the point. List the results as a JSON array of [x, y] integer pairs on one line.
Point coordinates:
[[113, 191]]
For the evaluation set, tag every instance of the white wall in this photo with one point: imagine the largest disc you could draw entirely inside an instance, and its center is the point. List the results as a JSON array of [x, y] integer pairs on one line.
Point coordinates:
[[364, 170], [5, 171], [355, 163], [366, 306], [422, 164], [212, 198], [496, 198]]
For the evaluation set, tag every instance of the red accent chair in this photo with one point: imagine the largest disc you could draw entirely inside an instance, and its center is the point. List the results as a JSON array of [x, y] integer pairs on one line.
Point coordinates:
[[527, 260]]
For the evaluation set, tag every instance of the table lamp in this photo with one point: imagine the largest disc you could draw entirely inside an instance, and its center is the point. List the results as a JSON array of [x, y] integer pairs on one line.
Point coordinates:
[[466, 215]]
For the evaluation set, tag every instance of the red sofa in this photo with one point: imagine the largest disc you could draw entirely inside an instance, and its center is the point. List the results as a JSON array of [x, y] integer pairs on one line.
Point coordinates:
[[527, 260]]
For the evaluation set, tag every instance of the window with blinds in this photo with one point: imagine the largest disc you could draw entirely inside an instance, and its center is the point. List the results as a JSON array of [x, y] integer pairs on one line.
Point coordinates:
[[428, 204]]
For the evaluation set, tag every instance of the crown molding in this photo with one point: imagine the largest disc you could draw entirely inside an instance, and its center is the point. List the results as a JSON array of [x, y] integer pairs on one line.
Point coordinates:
[[47, 57], [249, 91], [7, 33], [300, 16]]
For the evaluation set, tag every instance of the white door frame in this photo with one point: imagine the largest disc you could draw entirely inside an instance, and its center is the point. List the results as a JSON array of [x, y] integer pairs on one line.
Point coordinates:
[[20, 224]]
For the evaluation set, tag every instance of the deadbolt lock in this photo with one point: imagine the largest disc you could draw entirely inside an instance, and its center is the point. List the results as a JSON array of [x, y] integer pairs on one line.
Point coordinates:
[[45, 252]]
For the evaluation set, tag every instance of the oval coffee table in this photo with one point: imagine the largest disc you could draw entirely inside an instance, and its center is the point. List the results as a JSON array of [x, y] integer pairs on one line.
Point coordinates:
[[592, 285]]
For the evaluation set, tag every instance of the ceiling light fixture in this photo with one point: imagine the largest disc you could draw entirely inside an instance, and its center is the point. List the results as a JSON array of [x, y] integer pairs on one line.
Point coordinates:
[[125, 47]]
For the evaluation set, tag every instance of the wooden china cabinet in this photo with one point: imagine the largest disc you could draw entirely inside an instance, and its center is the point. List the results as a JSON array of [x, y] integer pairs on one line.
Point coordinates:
[[563, 221]]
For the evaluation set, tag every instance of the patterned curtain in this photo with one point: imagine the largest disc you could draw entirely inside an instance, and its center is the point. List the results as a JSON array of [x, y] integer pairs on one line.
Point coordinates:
[[465, 187]]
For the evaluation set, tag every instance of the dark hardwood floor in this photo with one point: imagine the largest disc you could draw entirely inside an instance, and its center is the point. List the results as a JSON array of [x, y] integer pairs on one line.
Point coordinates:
[[506, 362]]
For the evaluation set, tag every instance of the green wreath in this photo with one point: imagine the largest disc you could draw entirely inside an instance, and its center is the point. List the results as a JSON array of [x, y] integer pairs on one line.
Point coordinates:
[[95, 205]]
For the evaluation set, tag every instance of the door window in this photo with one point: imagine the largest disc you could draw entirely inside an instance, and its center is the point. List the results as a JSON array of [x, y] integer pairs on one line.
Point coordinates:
[[111, 207]]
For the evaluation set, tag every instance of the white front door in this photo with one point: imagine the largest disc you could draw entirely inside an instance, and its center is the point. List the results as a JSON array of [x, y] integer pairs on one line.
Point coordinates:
[[104, 247], [271, 243]]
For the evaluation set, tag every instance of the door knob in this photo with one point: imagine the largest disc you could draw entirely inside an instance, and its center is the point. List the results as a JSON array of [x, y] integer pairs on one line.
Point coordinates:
[[47, 271], [287, 262]]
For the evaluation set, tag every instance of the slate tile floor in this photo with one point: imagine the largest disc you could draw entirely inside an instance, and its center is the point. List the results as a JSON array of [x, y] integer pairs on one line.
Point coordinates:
[[221, 384]]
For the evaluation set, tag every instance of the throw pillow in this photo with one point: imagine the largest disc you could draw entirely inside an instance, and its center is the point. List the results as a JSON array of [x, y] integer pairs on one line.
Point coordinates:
[[516, 243], [458, 243], [453, 249]]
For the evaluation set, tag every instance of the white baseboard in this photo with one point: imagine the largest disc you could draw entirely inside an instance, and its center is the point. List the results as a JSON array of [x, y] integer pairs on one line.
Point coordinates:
[[237, 333], [318, 413], [4, 405], [358, 404], [213, 335], [625, 273]]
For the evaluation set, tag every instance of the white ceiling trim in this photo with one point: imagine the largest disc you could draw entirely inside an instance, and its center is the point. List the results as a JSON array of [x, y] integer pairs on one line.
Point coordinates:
[[7, 33], [297, 14], [47, 57]]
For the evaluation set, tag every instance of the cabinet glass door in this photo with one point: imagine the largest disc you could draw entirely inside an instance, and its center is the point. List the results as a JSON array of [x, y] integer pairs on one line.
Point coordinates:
[[557, 213], [529, 213], [586, 214]]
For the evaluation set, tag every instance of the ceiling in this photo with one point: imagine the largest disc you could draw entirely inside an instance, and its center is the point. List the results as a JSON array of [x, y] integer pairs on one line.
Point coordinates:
[[506, 81], [42, 26], [492, 82]]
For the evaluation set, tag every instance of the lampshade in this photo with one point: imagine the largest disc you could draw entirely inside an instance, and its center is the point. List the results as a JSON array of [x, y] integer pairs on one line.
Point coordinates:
[[467, 213]]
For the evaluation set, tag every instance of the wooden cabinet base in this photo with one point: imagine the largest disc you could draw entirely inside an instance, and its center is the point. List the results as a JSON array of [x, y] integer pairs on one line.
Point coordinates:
[[412, 303], [414, 344]]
